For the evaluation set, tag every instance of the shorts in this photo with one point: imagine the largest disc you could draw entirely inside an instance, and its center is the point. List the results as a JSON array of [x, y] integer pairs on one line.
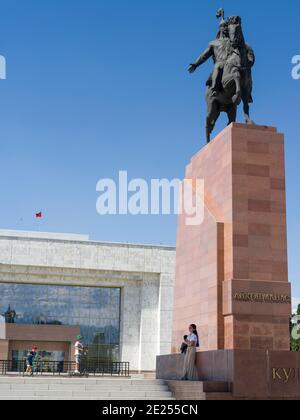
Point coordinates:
[[78, 358]]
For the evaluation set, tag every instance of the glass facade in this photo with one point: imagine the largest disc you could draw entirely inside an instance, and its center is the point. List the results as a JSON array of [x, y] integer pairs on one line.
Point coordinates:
[[48, 361], [95, 310]]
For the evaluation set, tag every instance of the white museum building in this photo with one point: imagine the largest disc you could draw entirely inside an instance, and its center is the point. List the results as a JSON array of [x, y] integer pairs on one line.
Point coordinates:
[[53, 287]]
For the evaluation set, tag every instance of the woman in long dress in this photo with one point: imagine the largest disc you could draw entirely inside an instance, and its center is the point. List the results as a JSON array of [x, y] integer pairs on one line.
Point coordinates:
[[190, 372]]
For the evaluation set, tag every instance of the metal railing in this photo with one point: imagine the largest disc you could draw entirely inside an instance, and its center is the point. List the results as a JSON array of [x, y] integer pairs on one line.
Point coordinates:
[[59, 368]]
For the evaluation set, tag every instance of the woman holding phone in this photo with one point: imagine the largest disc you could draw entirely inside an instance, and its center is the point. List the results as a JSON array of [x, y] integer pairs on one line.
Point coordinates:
[[190, 370]]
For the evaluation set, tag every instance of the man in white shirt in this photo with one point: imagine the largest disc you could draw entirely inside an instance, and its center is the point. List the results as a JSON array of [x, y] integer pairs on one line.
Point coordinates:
[[78, 353]]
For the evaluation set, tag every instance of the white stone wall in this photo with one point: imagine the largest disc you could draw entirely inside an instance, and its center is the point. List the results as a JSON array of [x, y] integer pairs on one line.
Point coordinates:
[[146, 275]]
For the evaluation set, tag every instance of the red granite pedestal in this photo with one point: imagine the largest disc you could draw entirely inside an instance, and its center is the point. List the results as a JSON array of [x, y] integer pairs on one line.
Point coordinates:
[[231, 271]]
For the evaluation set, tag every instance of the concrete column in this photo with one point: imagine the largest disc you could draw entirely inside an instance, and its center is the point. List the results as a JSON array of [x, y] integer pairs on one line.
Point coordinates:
[[130, 324], [150, 325], [166, 301]]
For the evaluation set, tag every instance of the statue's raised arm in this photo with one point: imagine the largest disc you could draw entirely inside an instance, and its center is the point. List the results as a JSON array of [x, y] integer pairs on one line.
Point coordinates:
[[208, 53]]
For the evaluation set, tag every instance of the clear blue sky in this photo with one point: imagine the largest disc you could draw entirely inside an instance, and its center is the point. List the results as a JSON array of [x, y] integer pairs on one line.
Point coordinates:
[[98, 86]]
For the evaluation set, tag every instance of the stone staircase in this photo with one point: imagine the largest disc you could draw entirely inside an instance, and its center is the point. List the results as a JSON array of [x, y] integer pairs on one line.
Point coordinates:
[[59, 388], [185, 390]]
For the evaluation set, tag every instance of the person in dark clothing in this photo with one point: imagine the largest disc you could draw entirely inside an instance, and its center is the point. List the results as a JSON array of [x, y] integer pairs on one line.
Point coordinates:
[[184, 346], [30, 359]]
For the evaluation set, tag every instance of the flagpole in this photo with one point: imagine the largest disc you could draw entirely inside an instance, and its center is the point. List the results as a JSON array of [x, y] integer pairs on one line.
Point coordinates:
[[38, 218]]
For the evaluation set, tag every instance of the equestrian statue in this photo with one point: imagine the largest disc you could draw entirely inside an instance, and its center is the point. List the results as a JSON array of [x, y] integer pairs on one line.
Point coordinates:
[[231, 80]]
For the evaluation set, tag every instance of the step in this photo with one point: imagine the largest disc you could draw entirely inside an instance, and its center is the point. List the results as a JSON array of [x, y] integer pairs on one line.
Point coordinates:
[[91, 388], [79, 387], [91, 380], [107, 393], [198, 391], [199, 386], [219, 396], [82, 399], [180, 397], [133, 395], [62, 388]]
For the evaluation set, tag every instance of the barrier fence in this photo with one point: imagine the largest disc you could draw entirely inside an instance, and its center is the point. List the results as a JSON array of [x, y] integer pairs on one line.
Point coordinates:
[[58, 368]]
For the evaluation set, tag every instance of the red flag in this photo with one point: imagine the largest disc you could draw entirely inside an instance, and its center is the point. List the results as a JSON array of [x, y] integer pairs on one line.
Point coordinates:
[[39, 215]]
